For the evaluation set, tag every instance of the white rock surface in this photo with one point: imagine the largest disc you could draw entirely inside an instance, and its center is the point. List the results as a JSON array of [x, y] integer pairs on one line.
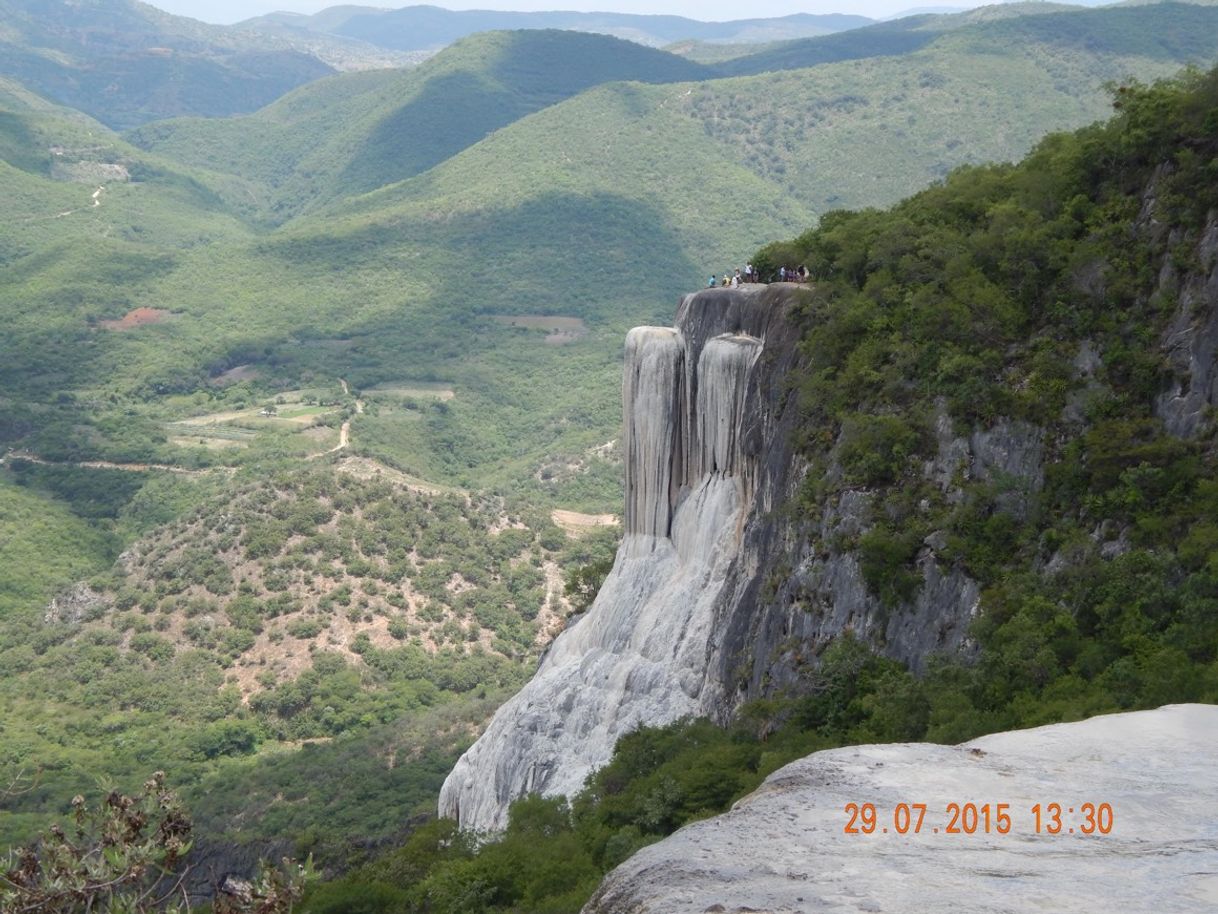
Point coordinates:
[[642, 654], [782, 849]]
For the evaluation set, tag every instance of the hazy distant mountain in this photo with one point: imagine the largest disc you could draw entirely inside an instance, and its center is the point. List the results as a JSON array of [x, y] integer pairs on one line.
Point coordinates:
[[924, 10], [328, 19], [416, 28], [125, 62], [1009, 29]]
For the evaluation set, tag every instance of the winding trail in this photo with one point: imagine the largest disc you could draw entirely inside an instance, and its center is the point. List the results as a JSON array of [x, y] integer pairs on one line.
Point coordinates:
[[96, 202], [344, 442], [111, 465], [344, 432]]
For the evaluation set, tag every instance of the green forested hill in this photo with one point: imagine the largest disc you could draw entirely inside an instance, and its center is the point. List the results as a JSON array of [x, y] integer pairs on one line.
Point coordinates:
[[93, 222], [358, 132], [1155, 29], [956, 91], [664, 181], [212, 302], [848, 134]]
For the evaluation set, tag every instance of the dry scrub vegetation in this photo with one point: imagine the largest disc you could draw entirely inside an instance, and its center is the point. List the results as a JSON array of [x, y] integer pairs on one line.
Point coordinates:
[[280, 569]]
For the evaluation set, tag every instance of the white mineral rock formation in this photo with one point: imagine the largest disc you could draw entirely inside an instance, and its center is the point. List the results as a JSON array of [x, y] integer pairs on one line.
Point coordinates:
[[783, 850], [640, 655]]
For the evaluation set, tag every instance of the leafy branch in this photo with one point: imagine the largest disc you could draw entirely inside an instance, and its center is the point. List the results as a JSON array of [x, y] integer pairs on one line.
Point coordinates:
[[127, 856]]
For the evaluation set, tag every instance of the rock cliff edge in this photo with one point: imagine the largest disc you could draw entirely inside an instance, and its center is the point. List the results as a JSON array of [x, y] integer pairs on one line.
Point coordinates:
[[782, 849]]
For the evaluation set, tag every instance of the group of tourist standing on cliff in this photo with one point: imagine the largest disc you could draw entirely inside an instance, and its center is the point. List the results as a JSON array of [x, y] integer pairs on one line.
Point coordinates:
[[752, 274]]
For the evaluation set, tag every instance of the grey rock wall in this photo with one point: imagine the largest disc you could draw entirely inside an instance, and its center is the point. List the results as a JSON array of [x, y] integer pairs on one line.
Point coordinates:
[[1191, 340], [719, 593], [698, 417]]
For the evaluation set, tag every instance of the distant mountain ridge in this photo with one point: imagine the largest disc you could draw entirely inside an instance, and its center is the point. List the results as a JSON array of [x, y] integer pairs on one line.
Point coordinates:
[[776, 122], [417, 28], [362, 131], [125, 62], [1128, 28]]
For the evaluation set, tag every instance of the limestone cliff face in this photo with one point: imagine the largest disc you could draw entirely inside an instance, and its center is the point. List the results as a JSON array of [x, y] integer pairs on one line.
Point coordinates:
[[718, 594], [1191, 339], [703, 405], [721, 592]]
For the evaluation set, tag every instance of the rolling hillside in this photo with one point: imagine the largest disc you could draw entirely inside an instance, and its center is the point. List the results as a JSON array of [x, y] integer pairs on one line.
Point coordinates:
[[846, 135], [1170, 31], [428, 273], [418, 281], [381, 127], [919, 95]]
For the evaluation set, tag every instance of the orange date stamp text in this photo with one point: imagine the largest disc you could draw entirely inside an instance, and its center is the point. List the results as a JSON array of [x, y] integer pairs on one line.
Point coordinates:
[[1086, 818]]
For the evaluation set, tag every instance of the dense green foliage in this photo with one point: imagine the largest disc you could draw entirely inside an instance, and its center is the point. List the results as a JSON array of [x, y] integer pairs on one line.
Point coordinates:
[[972, 300], [44, 547], [305, 606], [966, 297], [201, 315], [340, 800]]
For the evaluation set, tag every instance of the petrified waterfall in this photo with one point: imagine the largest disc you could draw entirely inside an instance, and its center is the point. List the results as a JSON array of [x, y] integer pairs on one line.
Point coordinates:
[[643, 652], [651, 419]]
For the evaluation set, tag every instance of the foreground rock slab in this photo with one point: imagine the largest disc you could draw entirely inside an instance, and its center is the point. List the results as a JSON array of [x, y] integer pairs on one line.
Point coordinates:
[[783, 849]]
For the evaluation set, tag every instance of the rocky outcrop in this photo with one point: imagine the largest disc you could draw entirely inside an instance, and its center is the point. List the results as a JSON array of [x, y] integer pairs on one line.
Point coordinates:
[[702, 404], [1010, 456], [716, 596], [78, 603], [783, 848], [1191, 339]]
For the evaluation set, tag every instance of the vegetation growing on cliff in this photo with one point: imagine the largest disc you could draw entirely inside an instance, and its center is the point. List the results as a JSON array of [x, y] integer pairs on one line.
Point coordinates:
[[974, 299], [974, 293], [157, 320]]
